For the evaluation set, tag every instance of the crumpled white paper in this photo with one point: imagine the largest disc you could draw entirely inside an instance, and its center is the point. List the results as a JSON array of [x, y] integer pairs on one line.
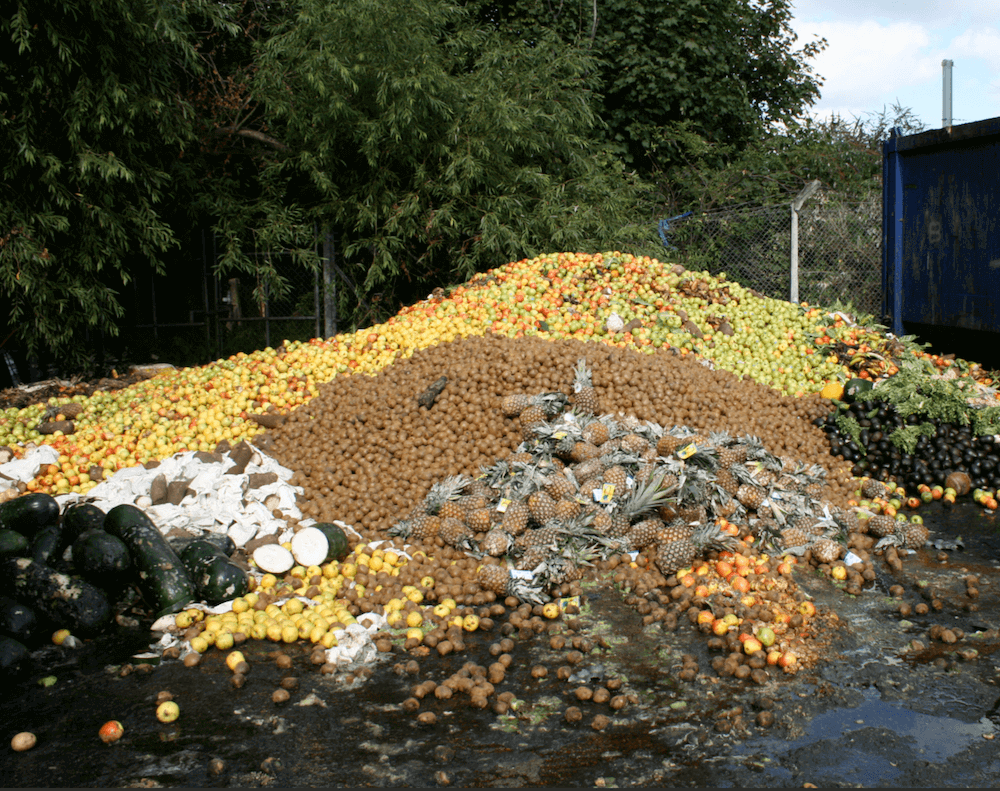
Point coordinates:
[[354, 644], [25, 469]]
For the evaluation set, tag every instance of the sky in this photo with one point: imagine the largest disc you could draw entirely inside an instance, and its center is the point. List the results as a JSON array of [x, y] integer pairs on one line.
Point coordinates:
[[881, 52]]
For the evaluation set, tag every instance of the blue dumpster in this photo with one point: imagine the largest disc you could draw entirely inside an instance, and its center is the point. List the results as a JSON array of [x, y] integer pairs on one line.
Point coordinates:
[[941, 227]]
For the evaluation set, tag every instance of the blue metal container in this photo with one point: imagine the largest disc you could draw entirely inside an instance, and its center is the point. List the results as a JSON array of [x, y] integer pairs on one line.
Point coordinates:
[[941, 227]]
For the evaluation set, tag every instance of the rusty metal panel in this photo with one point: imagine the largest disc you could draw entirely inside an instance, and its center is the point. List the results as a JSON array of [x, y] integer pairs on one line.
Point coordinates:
[[941, 227]]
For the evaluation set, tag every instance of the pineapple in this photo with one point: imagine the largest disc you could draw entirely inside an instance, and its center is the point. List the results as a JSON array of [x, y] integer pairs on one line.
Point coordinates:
[[558, 485], [726, 480], [825, 550], [793, 537], [561, 569], [596, 432], [634, 443], [516, 517], [584, 395], [514, 404], [547, 537], [497, 542], [668, 444], [479, 520], [871, 489], [915, 535], [590, 468], [542, 507], [674, 531], [418, 526], [751, 496], [584, 451], [499, 580], [600, 519], [567, 508], [617, 477], [531, 419], [532, 558], [643, 534], [448, 490], [674, 555], [881, 525], [455, 533]]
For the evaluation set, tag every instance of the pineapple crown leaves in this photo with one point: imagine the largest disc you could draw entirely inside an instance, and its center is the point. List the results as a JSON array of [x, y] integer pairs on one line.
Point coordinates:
[[401, 529], [710, 536], [582, 376], [621, 458], [552, 403], [694, 485], [647, 497], [529, 590], [720, 439], [442, 491], [706, 457], [497, 474]]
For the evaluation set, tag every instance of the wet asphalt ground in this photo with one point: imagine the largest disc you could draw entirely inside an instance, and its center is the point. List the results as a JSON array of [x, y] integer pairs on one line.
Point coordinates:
[[879, 710]]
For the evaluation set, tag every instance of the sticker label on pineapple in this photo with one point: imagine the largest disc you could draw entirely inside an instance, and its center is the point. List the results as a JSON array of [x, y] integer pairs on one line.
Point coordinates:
[[597, 496], [522, 575], [560, 435], [850, 559], [687, 451], [633, 556], [630, 482], [607, 493], [504, 504]]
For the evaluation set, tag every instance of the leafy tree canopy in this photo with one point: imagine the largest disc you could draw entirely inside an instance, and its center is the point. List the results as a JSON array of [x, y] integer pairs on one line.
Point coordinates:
[[433, 153], [90, 129], [728, 68], [844, 155]]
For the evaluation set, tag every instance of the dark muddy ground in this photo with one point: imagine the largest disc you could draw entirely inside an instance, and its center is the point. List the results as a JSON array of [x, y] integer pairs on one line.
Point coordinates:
[[876, 712]]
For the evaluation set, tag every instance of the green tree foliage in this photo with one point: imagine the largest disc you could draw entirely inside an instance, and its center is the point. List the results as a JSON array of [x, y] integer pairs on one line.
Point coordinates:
[[728, 68], [844, 155], [433, 146], [91, 125]]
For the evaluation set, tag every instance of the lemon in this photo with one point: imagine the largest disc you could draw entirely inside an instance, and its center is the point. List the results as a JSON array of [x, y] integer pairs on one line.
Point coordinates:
[[199, 644], [224, 641], [274, 632], [414, 619], [328, 640], [316, 634], [293, 606], [289, 634], [470, 623]]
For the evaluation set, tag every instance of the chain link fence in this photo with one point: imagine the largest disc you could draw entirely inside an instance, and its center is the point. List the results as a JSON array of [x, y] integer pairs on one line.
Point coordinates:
[[839, 249]]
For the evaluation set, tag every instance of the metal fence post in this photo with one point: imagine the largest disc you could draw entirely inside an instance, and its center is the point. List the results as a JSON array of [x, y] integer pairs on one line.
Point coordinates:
[[800, 199], [329, 293]]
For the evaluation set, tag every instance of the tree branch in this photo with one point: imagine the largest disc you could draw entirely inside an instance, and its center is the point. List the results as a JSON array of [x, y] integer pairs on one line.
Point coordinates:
[[253, 134]]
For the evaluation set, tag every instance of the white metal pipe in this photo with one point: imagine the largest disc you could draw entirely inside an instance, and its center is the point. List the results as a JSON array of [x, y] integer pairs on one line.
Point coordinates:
[[946, 67]]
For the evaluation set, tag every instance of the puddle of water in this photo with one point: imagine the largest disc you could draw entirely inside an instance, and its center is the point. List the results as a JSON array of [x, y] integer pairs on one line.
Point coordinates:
[[930, 738]]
